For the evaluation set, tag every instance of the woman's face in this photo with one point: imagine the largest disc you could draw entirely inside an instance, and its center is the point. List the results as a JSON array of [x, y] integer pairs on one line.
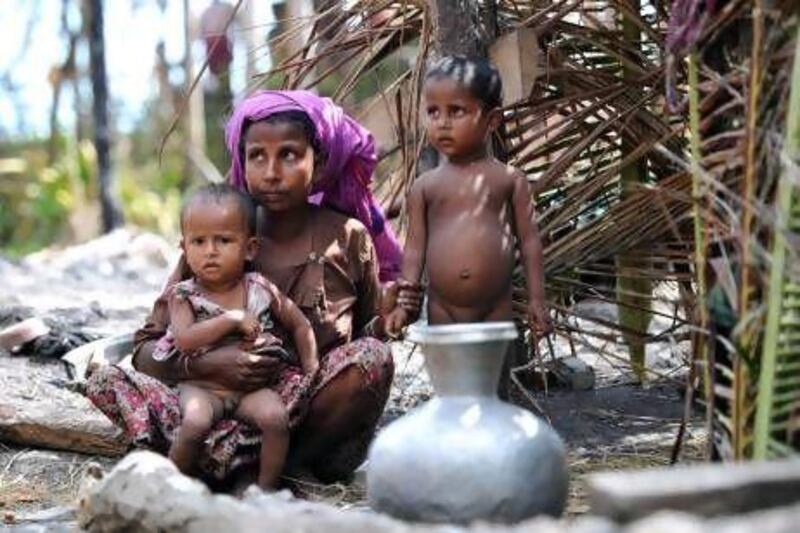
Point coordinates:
[[278, 165]]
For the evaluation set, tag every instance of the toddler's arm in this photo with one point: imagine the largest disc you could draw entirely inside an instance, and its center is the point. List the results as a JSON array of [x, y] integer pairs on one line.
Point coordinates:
[[531, 248], [190, 335], [293, 319], [413, 254], [417, 239]]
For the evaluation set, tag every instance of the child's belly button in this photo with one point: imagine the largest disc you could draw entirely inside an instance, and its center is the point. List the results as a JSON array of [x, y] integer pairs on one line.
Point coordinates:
[[463, 277]]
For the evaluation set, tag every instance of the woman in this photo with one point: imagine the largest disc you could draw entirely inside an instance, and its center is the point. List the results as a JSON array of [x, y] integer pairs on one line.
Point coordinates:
[[305, 162]]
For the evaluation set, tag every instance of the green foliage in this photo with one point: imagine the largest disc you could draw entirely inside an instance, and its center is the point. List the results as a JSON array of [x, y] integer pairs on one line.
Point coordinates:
[[151, 199], [43, 204], [39, 199]]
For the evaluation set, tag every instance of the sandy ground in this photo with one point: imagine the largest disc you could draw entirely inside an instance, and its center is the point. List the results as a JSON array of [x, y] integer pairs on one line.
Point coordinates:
[[107, 286]]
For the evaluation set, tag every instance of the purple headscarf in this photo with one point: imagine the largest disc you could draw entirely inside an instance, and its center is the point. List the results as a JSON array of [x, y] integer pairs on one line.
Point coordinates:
[[350, 159]]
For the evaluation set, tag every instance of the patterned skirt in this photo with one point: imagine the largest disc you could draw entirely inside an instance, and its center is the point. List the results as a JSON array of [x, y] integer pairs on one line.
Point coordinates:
[[148, 410]]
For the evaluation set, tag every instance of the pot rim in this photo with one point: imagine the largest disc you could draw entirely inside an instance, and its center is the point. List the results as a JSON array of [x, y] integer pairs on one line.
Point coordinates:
[[467, 333]]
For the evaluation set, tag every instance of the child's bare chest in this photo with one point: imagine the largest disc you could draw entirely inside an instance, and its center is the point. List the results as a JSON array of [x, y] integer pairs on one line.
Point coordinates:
[[468, 200]]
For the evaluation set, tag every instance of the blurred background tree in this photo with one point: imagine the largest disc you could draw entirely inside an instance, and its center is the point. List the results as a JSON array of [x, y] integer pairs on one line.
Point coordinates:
[[98, 151]]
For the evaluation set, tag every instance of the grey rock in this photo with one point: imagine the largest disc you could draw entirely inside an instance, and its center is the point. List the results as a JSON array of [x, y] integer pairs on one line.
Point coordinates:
[[37, 410], [145, 492], [708, 490], [60, 513], [574, 373], [779, 520]]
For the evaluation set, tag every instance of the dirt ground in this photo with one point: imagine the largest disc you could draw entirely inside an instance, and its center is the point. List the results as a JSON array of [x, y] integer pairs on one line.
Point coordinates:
[[107, 287], [612, 428]]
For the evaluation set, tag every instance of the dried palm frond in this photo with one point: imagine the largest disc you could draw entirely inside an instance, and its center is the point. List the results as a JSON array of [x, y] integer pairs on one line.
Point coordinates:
[[596, 110], [744, 52]]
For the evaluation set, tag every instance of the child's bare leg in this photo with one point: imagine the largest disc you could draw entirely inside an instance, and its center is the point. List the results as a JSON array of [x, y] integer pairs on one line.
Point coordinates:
[[200, 409], [264, 409]]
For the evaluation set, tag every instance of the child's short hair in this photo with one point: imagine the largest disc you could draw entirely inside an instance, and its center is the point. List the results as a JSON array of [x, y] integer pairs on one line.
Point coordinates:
[[220, 193], [478, 75]]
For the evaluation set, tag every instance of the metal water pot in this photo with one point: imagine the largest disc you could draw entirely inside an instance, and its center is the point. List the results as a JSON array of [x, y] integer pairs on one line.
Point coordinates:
[[466, 455]]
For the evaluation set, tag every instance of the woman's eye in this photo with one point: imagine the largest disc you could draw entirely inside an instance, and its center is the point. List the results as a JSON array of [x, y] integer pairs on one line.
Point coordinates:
[[255, 155], [458, 112], [433, 112], [197, 241], [288, 155]]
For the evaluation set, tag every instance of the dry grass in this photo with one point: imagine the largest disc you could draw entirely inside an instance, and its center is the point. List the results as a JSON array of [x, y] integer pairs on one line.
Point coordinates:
[[33, 479], [610, 459]]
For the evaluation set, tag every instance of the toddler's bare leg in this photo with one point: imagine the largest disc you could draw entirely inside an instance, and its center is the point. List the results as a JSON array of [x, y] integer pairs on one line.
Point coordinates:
[[442, 312], [438, 313], [264, 409], [200, 409]]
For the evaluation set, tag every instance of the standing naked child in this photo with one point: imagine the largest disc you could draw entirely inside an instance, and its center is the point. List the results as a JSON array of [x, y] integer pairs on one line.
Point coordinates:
[[464, 215], [221, 304]]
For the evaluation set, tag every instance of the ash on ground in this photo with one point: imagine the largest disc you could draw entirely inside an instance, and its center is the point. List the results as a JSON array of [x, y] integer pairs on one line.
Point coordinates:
[[103, 287]]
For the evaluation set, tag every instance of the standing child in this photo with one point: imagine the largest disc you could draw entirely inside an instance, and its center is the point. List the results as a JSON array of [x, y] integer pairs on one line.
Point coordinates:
[[221, 304], [465, 214]]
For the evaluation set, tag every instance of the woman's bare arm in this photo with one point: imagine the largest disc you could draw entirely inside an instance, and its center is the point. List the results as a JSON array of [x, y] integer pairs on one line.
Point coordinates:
[[228, 365], [169, 371]]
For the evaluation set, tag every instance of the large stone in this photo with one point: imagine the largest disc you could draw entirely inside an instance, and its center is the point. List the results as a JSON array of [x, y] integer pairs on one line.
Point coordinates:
[[37, 409], [145, 492], [780, 520], [573, 373], [708, 490]]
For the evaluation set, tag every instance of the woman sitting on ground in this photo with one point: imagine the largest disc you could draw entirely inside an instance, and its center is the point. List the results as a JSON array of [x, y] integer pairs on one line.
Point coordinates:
[[308, 166]]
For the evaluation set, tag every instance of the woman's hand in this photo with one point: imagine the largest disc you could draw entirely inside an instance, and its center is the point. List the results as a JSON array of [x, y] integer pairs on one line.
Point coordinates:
[[234, 369]]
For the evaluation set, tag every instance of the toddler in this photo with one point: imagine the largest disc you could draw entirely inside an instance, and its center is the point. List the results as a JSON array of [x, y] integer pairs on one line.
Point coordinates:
[[466, 214], [222, 303]]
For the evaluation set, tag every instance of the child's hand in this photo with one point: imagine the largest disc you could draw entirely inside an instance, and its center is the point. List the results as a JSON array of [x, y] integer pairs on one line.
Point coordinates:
[[539, 320], [249, 327], [311, 367], [395, 322], [404, 294]]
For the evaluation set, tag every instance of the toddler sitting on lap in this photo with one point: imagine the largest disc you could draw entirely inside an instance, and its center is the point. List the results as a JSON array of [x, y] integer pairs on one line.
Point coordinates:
[[222, 303]]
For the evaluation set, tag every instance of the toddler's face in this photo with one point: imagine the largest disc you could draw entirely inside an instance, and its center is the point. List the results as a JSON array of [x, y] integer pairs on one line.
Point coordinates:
[[456, 121], [215, 241]]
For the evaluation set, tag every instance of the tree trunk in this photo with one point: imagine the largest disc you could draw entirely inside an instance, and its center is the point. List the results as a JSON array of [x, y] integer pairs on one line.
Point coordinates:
[[634, 291], [194, 122], [110, 212]]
